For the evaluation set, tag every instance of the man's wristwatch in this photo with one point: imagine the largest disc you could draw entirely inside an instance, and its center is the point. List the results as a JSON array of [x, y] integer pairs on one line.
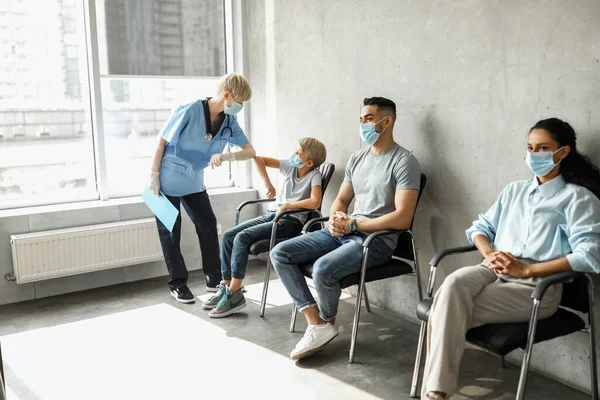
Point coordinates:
[[352, 226]]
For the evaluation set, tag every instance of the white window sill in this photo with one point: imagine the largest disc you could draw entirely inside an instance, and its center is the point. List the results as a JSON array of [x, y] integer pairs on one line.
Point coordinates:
[[84, 205]]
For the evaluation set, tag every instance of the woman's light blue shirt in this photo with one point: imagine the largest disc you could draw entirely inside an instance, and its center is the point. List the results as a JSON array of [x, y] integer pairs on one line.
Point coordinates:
[[187, 152], [544, 222]]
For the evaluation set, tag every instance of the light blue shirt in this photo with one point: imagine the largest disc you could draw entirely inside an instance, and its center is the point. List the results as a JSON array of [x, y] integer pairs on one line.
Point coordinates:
[[544, 222], [187, 152]]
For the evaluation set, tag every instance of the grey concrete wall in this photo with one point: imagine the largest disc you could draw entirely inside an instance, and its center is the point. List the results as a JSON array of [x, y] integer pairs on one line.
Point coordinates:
[[469, 79], [224, 203]]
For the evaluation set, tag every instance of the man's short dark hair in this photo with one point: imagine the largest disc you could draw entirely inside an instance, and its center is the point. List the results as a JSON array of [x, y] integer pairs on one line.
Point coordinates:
[[383, 105]]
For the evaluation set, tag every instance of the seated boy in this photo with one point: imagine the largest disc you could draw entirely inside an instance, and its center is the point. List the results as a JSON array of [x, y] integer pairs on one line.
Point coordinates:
[[299, 187]]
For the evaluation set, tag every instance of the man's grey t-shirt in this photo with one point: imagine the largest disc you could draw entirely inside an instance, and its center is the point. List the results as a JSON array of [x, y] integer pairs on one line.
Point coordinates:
[[375, 180], [292, 189]]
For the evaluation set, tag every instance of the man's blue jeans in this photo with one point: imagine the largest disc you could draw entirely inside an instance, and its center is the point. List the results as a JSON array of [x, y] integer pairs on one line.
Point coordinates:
[[236, 242], [334, 258]]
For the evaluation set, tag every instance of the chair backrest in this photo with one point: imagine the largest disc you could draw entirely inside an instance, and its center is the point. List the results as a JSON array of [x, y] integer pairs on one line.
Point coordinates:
[[576, 294], [327, 170], [404, 249]]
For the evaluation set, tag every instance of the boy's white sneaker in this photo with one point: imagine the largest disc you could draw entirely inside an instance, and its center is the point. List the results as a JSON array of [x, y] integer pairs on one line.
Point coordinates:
[[315, 338]]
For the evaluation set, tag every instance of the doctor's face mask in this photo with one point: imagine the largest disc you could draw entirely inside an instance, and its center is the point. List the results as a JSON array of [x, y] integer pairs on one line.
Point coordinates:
[[234, 107]]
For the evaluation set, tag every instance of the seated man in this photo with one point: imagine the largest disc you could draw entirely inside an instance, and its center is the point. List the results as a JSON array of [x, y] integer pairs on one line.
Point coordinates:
[[385, 179]]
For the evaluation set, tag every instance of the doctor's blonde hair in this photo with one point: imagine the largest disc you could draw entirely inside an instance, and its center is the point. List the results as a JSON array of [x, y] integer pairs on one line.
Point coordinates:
[[314, 149], [237, 85]]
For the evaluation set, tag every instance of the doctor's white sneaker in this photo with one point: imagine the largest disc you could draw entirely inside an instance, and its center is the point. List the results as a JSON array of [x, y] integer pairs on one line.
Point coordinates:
[[315, 338]]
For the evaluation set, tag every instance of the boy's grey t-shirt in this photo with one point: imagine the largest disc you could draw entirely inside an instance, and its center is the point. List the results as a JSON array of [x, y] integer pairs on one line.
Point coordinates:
[[292, 189], [375, 180]]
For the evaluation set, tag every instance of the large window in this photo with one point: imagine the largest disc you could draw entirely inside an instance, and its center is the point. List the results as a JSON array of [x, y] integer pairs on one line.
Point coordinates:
[[152, 56], [46, 146]]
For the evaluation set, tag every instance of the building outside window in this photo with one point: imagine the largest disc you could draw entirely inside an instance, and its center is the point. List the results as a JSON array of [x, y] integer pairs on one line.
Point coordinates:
[[153, 55]]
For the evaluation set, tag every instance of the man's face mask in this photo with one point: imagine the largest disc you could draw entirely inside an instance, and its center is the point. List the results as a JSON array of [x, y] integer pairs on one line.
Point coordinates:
[[368, 134]]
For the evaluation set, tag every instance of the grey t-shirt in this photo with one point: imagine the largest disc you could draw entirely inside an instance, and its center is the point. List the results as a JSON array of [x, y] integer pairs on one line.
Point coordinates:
[[292, 189], [375, 180]]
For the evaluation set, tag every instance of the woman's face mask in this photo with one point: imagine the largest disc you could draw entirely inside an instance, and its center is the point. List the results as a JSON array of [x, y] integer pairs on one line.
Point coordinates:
[[541, 162], [368, 134], [234, 108]]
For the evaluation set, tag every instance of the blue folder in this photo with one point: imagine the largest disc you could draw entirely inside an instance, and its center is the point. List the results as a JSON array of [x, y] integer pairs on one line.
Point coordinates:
[[162, 208]]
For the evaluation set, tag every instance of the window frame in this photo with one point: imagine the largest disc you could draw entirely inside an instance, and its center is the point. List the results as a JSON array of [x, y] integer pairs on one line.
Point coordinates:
[[95, 76]]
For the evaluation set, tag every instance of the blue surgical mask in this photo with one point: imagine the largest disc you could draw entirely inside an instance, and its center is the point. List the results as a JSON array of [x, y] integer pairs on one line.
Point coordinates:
[[234, 108], [542, 162], [296, 161], [368, 133]]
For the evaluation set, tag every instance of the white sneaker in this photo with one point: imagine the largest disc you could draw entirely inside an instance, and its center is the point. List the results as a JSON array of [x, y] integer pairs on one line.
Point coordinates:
[[315, 338], [434, 396]]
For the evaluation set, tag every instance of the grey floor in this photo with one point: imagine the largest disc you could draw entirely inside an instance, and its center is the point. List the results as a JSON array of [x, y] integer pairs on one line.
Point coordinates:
[[133, 341]]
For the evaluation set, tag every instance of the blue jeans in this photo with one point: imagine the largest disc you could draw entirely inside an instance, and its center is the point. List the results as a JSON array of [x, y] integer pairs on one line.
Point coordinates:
[[333, 257], [236, 241]]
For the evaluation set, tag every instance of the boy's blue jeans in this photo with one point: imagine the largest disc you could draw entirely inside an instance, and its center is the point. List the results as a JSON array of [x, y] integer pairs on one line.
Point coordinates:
[[236, 241], [334, 258]]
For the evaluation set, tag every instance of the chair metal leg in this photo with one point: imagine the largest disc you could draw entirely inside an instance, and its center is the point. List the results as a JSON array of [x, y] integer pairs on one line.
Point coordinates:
[[263, 301], [502, 362], [366, 298], [414, 388], [592, 333], [528, 350], [293, 322], [359, 294], [417, 268]]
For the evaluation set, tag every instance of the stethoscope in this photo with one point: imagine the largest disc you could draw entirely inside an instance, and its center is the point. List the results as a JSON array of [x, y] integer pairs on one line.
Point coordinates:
[[208, 136]]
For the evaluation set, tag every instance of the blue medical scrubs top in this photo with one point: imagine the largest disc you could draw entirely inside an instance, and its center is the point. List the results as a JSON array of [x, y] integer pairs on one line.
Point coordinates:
[[187, 152]]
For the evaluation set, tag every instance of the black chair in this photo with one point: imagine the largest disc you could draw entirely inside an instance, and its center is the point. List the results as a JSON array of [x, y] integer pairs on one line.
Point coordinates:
[[501, 339], [265, 245], [406, 250]]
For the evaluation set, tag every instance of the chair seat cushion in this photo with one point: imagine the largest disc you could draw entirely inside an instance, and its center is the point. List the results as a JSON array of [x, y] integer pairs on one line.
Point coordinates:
[[262, 246], [503, 338], [393, 268]]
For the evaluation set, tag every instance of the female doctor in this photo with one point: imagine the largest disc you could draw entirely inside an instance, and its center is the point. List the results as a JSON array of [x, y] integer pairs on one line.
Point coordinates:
[[193, 138]]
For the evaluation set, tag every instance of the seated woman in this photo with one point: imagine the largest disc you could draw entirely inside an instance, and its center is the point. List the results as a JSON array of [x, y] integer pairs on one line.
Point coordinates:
[[536, 228]]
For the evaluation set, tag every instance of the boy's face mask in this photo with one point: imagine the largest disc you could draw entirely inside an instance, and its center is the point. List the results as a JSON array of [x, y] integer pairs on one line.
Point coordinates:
[[296, 161]]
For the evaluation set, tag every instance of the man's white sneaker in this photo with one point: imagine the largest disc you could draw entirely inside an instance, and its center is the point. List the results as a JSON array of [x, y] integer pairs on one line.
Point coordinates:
[[315, 338], [434, 396]]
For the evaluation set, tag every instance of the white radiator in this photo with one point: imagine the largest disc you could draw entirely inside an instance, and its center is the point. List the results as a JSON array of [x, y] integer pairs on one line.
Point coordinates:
[[63, 252]]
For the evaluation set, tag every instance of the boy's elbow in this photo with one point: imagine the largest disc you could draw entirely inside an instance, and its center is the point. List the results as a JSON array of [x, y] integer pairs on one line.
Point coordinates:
[[316, 202]]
